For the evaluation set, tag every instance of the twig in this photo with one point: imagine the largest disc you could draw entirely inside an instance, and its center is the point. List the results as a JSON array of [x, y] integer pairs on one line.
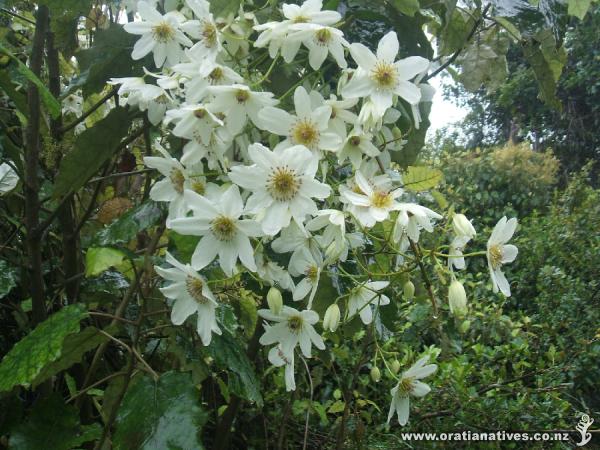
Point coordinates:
[[310, 405], [10, 13], [119, 175], [415, 249], [91, 386], [90, 111]]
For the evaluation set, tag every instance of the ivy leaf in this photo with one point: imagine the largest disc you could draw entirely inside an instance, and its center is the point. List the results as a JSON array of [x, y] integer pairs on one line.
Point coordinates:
[[125, 228], [8, 278], [42, 346], [99, 259], [53, 425], [579, 8], [74, 347], [230, 356], [49, 101], [421, 178], [92, 149], [161, 415]]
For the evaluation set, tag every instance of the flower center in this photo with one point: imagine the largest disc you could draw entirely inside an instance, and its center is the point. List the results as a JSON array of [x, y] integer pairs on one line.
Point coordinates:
[[216, 75], [301, 19], [311, 273], [200, 113], [355, 141], [209, 34], [381, 199], [177, 178], [223, 228], [194, 288], [242, 96], [306, 133], [163, 32], [295, 324], [198, 187], [385, 75], [496, 255], [162, 99], [406, 386], [323, 36], [283, 184]]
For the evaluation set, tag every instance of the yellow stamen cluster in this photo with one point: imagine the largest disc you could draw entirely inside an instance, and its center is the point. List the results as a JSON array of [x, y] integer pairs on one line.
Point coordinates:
[[406, 386], [194, 288], [177, 178], [283, 184], [301, 19], [311, 273], [200, 113], [354, 141], [216, 75], [242, 96], [381, 199], [305, 132], [223, 228], [295, 324], [496, 255], [385, 75], [163, 32], [323, 36], [199, 187], [209, 34]]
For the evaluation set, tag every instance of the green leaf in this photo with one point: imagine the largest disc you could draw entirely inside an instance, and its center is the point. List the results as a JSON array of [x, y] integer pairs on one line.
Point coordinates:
[[248, 314], [74, 347], [230, 356], [421, 178], [48, 99], [454, 35], [99, 259], [53, 425], [19, 99], [125, 228], [42, 346], [160, 415], [508, 26], [92, 149], [222, 8], [8, 278], [408, 7], [579, 8]]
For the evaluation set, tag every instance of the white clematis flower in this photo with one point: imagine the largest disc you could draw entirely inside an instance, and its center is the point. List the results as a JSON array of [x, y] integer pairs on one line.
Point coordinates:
[[308, 264], [411, 219], [192, 295], [320, 41], [204, 29], [273, 273], [498, 253], [366, 295], [357, 144], [224, 233], [282, 184], [309, 127], [193, 122], [379, 77], [409, 385], [160, 34]]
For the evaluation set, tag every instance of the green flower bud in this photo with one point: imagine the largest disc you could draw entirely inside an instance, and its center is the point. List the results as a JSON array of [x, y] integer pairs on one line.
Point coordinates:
[[457, 298], [375, 374], [274, 300], [395, 366], [331, 320], [409, 290], [462, 226]]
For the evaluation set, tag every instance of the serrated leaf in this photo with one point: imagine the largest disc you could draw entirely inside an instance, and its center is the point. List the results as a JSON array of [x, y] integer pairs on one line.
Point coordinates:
[[92, 149], [74, 347], [53, 425], [42, 346], [126, 227], [421, 178], [99, 259], [230, 356], [49, 101], [160, 415]]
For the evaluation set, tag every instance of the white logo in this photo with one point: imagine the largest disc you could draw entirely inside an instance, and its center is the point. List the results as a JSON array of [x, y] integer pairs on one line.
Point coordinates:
[[582, 427]]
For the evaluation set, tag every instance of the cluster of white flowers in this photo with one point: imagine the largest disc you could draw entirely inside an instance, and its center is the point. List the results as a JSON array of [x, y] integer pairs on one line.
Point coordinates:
[[283, 199]]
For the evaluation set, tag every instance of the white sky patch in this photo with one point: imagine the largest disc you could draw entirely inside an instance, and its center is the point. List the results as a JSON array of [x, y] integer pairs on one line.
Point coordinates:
[[443, 112]]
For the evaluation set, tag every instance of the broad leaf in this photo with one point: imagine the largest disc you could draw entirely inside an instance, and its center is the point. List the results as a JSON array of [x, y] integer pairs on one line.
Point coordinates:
[[92, 149], [99, 259], [421, 178], [42, 346], [230, 356], [126, 227], [408, 7], [222, 8], [53, 425], [160, 415], [579, 8]]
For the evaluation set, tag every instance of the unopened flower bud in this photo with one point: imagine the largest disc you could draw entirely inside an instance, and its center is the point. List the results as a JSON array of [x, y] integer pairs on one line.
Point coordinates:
[[462, 226], [375, 374], [409, 290], [331, 320], [274, 300], [457, 298], [395, 366]]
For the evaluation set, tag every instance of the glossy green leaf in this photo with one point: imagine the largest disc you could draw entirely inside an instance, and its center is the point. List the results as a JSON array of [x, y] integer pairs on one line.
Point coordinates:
[[53, 425], [92, 149], [99, 259], [42, 346], [421, 178], [161, 415], [125, 228], [230, 356]]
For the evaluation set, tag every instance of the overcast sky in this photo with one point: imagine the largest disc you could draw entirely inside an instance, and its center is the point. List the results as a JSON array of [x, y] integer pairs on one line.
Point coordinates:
[[443, 112]]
